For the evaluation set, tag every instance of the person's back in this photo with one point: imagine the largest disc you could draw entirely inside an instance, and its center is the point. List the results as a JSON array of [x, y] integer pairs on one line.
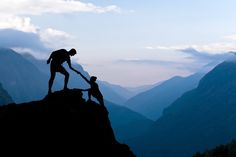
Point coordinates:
[[60, 56], [94, 88]]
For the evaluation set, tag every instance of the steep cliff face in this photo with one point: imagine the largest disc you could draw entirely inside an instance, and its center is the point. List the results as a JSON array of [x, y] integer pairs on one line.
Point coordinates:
[[61, 123], [5, 98]]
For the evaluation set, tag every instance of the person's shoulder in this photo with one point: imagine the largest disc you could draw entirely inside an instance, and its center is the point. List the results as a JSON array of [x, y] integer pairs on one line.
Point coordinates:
[[61, 50]]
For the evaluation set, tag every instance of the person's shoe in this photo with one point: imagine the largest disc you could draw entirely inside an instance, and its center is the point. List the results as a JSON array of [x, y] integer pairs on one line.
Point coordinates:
[[49, 92], [65, 89]]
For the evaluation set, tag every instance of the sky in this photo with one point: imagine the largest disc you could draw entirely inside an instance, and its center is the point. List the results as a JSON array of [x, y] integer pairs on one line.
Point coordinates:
[[125, 42]]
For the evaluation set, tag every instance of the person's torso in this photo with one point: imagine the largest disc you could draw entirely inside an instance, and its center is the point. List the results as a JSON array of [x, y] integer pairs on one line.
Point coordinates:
[[94, 87], [60, 56]]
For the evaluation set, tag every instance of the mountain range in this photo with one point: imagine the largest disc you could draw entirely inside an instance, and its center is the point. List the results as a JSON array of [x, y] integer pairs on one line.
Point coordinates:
[[151, 103], [126, 123], [199, 120], [20, 78], [226, 150]]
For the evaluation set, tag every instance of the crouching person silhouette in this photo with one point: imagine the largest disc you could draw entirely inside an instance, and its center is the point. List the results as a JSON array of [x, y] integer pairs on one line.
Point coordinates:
[[57, 58], [94, 89]]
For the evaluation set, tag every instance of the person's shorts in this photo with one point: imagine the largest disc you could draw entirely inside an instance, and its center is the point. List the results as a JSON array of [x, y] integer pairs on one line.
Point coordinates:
[[58, 68]]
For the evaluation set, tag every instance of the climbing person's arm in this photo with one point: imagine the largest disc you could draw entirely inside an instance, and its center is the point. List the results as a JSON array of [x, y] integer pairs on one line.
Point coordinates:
[[84, 78]]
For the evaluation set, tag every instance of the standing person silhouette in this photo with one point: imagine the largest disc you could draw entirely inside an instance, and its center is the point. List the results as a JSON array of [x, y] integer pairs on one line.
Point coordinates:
[[94, 89], [57, 58]]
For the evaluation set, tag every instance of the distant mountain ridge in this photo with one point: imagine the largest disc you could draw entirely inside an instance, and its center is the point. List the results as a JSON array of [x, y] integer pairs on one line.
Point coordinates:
[[23, 81], [126, 123], [200, 119], [151, 103], [127, 92], [123, 92]]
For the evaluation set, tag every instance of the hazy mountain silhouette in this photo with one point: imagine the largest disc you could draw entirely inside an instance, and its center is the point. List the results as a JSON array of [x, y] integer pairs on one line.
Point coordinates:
[[143, 88], [5, 98], [126, 123], [152, 102], [122, 91], [227, 150], [22, 80], [200, 119], [61, 123], [127, 92], [75, 80]]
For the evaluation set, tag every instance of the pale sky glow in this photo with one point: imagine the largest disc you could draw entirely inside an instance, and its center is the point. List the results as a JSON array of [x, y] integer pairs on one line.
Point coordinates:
[[38, 7], [126, 42]]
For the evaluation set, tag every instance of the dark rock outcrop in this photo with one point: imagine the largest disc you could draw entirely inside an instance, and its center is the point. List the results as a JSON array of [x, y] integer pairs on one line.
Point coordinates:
[[61, 123], [199, 120], [227, 150]]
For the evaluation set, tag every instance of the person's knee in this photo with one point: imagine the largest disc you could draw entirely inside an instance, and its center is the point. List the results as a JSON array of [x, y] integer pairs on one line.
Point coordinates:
[[52, 76], [67, 75]]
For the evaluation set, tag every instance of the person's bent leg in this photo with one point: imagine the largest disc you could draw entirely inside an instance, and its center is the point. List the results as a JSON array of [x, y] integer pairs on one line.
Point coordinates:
[[89, 94], [64, 72], [100, 100], [50, 82], [66, 81]]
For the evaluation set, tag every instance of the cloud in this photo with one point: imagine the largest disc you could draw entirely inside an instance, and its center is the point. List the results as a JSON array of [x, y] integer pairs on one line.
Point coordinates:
[[191, 67], [167, 48], [18, 39], [193, 59], [19, 23], [149, 61], [230, 37], [53, 38], [212, 48], [38, 44], [13, 16], [38, 7], [204, 56], [25, 36]]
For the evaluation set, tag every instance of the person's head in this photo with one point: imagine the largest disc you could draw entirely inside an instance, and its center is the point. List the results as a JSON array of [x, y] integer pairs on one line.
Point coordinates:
[[72, 52], [93, 79]]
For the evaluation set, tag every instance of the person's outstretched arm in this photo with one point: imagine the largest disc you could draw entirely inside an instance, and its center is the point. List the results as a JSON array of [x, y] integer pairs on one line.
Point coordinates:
[[84, 77], [69, 64]]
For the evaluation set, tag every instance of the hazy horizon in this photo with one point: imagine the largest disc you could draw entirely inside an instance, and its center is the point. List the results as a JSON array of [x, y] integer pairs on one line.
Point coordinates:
[[124, 42]]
